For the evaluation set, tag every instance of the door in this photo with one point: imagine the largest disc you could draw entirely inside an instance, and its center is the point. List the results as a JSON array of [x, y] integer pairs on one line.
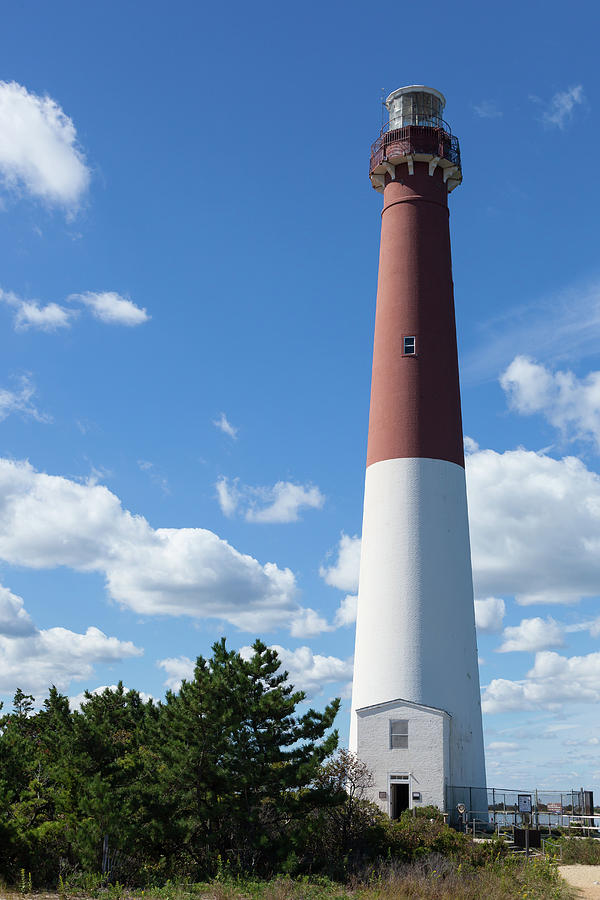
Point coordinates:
[[399, 797]]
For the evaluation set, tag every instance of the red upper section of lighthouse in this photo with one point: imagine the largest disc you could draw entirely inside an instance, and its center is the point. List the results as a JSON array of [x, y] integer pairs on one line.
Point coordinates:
[[432, 140], [415, 132], [415, 396]]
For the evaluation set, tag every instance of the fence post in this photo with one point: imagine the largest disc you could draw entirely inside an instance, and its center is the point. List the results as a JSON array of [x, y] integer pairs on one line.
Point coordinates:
[[105, 854]]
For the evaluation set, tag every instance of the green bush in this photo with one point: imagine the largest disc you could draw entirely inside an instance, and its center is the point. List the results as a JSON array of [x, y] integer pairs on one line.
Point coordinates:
[[42, 848], [580, 850], [414, 837], [36, 850], [423, 812]]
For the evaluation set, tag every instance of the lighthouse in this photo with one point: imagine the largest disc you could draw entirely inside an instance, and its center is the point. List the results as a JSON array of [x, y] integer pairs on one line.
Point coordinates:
[[416, 708]]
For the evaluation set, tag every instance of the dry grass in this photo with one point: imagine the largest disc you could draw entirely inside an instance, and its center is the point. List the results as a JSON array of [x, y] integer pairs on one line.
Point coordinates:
[[584, 850], [436, 878]]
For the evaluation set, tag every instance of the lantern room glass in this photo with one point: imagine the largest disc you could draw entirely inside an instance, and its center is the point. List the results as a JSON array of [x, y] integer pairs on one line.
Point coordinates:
[[416, 106]]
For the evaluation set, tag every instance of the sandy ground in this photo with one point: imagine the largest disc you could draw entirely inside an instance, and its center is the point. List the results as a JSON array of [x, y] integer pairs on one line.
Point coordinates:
[[586, 878]]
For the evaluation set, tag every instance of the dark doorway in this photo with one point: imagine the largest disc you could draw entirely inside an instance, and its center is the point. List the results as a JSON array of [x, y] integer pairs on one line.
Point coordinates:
[[399, 798]]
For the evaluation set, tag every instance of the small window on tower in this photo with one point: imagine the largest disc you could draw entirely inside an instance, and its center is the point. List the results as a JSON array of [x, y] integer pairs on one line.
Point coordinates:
[[399, 734], [409, 346]]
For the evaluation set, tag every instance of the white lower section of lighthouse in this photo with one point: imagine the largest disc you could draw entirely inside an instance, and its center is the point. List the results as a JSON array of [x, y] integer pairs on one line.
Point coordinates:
[[416, 708]]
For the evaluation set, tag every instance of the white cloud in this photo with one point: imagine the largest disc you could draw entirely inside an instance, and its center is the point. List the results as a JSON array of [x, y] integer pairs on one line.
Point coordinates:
[[33, 659], [553, 681], [593, 626], [309, 671], [581, 742], [487, 109], [228, 495], [39, 152], [343, 574], [560, 109], [503, 746], [503, 695], [528, 386], [224, 425], [283, 502], [277, 504], [564, 325], [489, 614], [532, 635], [15, 621], [30, 314], [78, 700], [549, 664], [308, 623], [111, 308], [535, 526], [177, 668], [470, 445], [108, 307], [47, 318], [48, 521], [56, 656], [20, 401], [567, 402], [346, 612]]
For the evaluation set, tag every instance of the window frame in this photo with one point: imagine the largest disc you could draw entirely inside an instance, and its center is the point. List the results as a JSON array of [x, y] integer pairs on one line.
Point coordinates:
[[410, 337], [399, 734]]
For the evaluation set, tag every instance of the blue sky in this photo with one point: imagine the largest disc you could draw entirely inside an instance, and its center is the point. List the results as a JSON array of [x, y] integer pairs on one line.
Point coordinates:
[[189, 262]]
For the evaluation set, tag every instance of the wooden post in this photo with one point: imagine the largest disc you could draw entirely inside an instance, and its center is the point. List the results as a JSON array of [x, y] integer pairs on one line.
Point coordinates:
[[105, 855]]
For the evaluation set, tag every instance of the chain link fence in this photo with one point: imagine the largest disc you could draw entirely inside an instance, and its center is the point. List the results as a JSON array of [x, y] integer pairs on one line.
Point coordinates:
[[498, 807]]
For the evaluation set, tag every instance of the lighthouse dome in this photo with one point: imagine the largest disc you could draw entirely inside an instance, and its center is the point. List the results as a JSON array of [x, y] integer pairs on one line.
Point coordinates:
[[415, 105]]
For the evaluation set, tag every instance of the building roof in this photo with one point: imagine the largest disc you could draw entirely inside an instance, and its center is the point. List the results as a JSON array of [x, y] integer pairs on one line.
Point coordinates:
[[406, 702], [415, 89]]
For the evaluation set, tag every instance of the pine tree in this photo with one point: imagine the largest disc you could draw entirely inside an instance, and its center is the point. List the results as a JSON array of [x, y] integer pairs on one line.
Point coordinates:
[[238, 760], [33, 756], [111, 771]]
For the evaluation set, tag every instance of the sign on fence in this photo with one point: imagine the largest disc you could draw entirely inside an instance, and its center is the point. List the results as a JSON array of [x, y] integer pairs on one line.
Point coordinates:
[[554, 808], [524, 801]]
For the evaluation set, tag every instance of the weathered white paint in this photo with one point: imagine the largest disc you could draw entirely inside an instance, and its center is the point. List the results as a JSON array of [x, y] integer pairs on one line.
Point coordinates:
[[415, 629], [426, 761]]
